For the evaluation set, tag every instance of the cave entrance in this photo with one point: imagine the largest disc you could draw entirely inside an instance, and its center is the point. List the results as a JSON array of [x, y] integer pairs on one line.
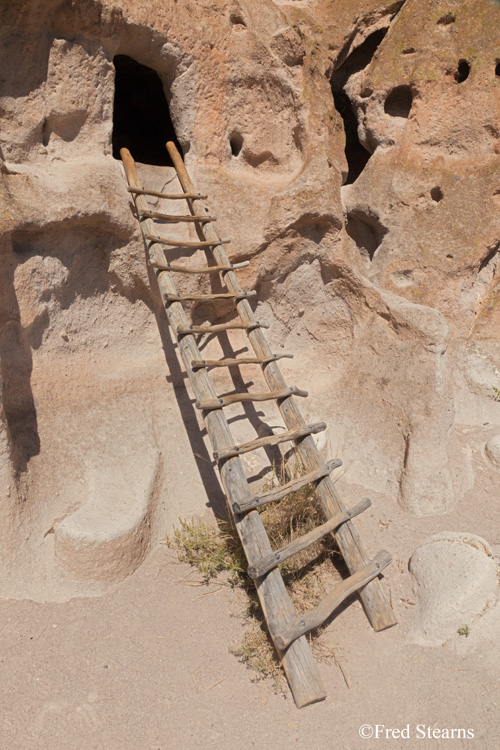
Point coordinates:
[[356, 154], [141, 117]]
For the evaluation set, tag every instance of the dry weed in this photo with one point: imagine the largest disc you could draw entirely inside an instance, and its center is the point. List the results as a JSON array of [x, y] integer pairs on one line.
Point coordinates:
[[214, 549], [209, 547]]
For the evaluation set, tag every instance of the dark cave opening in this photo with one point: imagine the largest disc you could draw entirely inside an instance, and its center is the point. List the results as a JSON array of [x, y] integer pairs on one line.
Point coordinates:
[[141, 117], [356, 154], [462, 72], [436, 194], [399, 102], [236, 143]]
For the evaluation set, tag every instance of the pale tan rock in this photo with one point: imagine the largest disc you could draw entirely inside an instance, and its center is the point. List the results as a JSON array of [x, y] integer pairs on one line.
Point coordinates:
[[111, 532], [456, 582], [386, 289]]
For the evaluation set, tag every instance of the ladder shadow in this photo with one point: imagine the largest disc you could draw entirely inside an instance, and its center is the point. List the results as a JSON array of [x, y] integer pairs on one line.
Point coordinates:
[[260, 426], [251, 413], [216, 499]]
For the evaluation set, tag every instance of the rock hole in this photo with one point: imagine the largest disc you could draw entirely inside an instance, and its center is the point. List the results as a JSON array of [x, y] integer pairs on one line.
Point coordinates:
[[408, 51], [436, 194], [497, 68], [237, 19], [357, 155], [141, 117], [236, 143], [462, 72], [367, 231], [399, 102], [446, 19], [45, 133]]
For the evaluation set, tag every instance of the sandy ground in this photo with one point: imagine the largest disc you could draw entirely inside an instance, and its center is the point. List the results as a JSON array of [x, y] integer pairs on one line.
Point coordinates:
[[148, 667]]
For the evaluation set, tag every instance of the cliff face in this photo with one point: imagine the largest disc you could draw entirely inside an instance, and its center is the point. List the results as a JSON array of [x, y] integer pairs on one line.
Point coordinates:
[[379, 268]]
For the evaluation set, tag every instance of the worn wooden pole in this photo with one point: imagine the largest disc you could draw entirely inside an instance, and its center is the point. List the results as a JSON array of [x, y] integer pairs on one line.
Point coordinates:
[[299, 665], [375, 602]]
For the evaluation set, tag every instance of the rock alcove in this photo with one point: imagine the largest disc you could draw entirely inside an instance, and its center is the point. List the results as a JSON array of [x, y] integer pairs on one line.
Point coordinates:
[[141, 116]]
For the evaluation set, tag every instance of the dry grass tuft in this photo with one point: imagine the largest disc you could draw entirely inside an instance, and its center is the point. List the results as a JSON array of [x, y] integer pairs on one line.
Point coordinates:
[[209, 547], [214, 549], [257, 652]]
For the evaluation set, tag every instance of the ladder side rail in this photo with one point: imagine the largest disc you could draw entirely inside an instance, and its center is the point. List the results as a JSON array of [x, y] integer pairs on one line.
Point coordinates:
[[298, 662], [375, 602]]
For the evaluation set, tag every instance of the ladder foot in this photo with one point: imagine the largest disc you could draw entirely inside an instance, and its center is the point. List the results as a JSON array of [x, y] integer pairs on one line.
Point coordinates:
[[334, 599]]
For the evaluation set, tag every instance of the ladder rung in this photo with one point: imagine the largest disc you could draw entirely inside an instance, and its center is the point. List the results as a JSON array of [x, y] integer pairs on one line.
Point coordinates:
[[239, 398], [263, 442], [205, 269], [171, 197], [217, 327], [319, 614], [184, 243], [271, 561], [222, 295], [285, 489], [198, 363], [173, 217]]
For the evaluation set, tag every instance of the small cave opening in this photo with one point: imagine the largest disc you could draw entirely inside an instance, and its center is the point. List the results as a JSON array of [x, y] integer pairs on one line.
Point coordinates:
[[462, 72], [497, 68], [236, 19], [141, 117], [367, 231], [236, 143], [399, 102], [356, 154], [436, 194]]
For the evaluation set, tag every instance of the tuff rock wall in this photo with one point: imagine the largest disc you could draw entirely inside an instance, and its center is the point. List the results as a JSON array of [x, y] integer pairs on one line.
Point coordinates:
[[385, 287]]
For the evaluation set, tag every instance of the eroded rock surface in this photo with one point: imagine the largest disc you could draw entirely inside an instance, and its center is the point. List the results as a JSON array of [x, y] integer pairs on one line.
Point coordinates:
[[456, 584], [377, 262]]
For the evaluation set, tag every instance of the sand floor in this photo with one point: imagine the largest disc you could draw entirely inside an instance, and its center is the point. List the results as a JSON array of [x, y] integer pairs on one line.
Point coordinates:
[[148, 667]]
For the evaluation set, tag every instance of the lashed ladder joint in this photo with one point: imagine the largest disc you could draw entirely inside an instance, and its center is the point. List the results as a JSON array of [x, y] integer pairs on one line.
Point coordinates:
[[197, 364], [174, 218], [332, 601], [204, 269], [217, 328], [286, 489], [269, 440], [168, 196], [240, 398], [299, 666], [184, 243], [272, 560], [190, 297]]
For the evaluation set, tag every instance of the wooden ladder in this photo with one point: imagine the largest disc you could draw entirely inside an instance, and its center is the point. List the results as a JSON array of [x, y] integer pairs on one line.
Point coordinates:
[[287, 629]]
